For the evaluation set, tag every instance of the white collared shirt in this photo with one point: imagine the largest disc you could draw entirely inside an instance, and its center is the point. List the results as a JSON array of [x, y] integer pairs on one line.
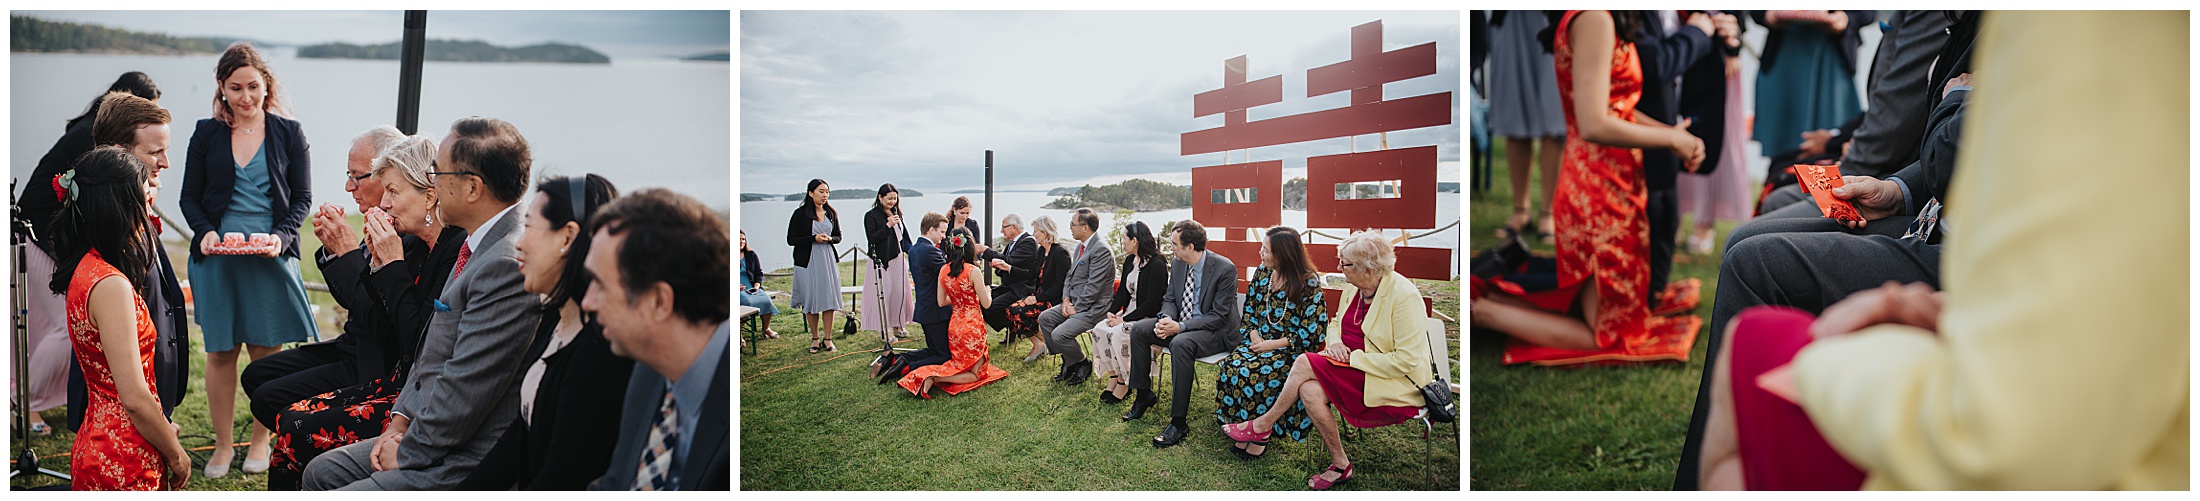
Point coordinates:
[[474, 235]]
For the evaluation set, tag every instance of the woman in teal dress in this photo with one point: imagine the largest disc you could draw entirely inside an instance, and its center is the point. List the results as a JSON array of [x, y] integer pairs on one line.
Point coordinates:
[[1806, 79], [247, 171], [1284, 315]]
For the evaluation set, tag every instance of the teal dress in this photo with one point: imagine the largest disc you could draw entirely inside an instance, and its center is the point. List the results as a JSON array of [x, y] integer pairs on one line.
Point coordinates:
[[253, 300], [1250, 381], [1807, 88]]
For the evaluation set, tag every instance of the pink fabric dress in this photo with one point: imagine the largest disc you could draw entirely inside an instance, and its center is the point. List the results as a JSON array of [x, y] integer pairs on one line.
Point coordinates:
[[1346, 386], [1724, 195], [1781, 450]]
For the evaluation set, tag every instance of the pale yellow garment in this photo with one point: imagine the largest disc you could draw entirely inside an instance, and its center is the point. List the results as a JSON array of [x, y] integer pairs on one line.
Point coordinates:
[[1394, 335], [2062, 358]]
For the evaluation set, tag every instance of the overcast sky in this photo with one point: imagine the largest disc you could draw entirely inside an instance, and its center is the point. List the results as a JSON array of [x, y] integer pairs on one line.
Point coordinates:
[[1063, 98], [619, 34]]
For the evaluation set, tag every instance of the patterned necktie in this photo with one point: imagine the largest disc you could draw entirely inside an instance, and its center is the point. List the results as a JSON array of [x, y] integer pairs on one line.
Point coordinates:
[[1191, 287], [464, 251], [655, 473]]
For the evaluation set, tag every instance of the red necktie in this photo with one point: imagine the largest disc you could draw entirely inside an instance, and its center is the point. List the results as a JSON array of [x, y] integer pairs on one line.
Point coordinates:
[[464, 251]]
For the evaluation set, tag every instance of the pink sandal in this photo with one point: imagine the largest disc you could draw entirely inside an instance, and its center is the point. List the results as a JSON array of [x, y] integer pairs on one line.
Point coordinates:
[[1318, 483], [1243, 432]]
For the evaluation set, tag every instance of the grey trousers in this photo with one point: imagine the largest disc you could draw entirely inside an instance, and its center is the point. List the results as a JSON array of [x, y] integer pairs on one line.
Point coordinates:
[[1782, 197], [1062, 330], [1185, 348], [347, 468]]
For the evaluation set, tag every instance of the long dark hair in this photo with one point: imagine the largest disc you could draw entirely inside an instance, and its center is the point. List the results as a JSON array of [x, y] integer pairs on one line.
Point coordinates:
[[879, 201], [135, 82], [1146, 248], [557, 207], [812, 203], [1293, 266], [959, 248], [105, 212], [1625, 24]]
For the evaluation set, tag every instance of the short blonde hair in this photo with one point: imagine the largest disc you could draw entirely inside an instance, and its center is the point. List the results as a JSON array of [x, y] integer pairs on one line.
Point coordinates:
[[410, 159], [1044, 224], [1369, 249]]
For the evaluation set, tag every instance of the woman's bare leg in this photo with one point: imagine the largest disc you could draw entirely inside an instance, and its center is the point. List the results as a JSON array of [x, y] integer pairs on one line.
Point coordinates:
[[1535, 326], [1301, 373], [1552, 147], [1518, 152], [1721, 456], [1325, 424], [259, 450], [221, 404]]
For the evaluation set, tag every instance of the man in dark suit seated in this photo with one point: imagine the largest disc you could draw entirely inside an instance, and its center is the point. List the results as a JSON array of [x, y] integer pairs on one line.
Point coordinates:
[[1019, 272], [464, 389], [1199, 317], [661, 271], [925, 260]]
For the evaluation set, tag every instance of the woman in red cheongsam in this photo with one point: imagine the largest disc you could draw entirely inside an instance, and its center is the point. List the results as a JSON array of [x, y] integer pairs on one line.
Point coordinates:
[[963, 287], [1599, 311], [103, 264]]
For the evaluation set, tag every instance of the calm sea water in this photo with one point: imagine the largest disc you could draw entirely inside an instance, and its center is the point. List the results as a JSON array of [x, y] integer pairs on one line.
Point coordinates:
[[664, 124], [766, 222]]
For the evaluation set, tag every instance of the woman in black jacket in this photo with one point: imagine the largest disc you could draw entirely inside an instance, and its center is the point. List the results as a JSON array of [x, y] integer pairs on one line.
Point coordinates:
[[888, 303], [1137, 297], [1054, 263], [402, 284], [814, 231], [574, 387]]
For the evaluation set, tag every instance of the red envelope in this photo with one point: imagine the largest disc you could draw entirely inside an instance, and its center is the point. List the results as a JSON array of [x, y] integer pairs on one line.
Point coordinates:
[[1819, 181]]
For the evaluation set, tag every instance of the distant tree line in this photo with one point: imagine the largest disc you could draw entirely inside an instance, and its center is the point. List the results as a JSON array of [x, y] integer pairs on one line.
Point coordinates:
[[1134, 194], [468, 51], [850, 194], [30, 34]]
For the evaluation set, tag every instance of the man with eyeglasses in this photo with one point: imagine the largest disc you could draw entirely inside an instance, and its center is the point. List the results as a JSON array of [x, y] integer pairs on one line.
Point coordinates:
[[1085, 295], [358, 356]]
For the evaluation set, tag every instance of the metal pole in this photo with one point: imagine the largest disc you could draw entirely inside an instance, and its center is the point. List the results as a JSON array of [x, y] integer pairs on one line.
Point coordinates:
[[26, 462], [982, 228], [408, 71]]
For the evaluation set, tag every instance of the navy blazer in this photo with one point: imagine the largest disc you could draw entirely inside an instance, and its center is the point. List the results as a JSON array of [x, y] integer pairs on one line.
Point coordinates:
[[209, 178], [925, 275]]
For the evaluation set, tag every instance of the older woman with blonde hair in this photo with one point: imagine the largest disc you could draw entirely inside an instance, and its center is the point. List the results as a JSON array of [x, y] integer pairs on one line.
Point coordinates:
[[411, 253], [1375, 355], [1054, 263]]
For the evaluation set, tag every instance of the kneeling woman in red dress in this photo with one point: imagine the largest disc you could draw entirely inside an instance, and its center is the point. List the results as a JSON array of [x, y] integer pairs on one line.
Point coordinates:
[[103, 264], [1599, 309], [964, 288]]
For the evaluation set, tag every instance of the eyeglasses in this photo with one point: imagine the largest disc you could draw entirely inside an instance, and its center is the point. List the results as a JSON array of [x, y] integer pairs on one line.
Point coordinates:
[[1344, 265], [361, 177]]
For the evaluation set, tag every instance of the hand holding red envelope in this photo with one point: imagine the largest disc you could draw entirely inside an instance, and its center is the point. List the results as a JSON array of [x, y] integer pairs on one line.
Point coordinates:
[[1819, 181]]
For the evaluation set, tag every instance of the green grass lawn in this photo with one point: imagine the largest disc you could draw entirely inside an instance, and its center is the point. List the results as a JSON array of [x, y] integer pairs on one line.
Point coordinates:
[[192, 413], [814, 422], [1587, 428]]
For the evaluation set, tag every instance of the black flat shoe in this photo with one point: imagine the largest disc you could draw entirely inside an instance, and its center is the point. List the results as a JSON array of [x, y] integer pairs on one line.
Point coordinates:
[[1108, 397], [1064, 372], [1139, 404], [893, 370], [1079, 373], [1171, 435]]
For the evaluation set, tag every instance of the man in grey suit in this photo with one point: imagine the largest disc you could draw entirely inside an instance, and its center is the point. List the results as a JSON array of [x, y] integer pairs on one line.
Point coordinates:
[[1199, 317], [464, 387], [661, 271], [1090, 280]]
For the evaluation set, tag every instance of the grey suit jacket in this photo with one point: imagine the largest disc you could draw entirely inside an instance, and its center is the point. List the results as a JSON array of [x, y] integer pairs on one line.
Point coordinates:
[[464, 389], [1218, 299], [1092, 280]]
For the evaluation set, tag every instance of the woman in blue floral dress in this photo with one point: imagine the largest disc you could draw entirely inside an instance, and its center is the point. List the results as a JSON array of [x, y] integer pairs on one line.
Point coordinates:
[[1284, 315]]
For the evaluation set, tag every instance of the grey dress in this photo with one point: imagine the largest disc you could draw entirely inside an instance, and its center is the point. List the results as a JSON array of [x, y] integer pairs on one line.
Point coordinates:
[[817, 287], [1523, 83]]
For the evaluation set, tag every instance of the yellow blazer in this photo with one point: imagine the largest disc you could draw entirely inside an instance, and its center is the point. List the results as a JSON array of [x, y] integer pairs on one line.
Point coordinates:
[[1396, 344], [2062, 359]]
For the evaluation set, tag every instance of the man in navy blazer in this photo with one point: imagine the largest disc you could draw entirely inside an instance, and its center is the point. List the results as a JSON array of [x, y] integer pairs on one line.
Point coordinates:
[[930, 315]]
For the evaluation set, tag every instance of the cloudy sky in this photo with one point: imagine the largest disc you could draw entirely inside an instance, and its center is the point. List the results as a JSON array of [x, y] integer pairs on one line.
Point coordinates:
[[1062, 98], [619, 34]]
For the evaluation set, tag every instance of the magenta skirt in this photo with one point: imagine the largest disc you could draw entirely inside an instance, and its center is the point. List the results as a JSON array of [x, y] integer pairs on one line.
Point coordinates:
[[1347, 390], [1781, 450]]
